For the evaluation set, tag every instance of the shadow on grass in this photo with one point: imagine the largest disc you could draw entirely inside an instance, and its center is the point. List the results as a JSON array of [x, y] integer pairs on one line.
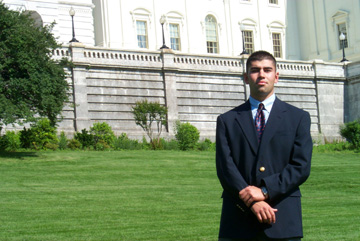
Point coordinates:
[[18, 155]]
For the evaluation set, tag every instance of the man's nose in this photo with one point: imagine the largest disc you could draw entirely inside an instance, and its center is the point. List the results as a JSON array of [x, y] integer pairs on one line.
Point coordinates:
[[261, 72]]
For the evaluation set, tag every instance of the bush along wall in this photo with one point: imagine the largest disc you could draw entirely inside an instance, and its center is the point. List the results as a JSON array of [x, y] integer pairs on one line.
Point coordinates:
[[43, 136]]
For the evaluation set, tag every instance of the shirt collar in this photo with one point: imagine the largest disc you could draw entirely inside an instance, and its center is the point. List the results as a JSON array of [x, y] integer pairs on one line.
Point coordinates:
[[268, 103]]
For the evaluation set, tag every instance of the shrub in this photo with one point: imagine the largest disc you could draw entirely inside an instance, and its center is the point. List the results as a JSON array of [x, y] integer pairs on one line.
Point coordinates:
[[351, 131], [187, 135], [102, 134], [10, 141], [41, 135], [170, 144], [145, 144], [74, 144], [205, 145], [124, 143], [101, 145], [25, 138], [63, 141], [85, 138], [145, 115], [50, 146], [331, 147]]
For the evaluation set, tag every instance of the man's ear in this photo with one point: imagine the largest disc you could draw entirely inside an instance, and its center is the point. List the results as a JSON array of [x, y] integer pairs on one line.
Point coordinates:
[[246, 80], [277, 77]]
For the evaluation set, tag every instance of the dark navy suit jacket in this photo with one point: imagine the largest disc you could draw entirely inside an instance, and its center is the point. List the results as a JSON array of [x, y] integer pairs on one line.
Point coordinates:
[[284, 151]]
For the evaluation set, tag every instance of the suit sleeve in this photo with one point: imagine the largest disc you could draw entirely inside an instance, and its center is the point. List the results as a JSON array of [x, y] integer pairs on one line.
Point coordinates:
[[298, 169], [228, 173]]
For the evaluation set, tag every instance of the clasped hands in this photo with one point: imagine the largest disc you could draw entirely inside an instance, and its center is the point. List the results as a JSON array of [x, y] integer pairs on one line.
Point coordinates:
[[253, 196]]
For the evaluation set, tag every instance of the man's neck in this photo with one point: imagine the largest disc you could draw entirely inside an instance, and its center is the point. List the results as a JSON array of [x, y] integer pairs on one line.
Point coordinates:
[[262, 98]]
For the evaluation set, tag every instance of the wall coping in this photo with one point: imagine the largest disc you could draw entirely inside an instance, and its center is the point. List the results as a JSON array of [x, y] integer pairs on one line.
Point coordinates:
[[207, 63]]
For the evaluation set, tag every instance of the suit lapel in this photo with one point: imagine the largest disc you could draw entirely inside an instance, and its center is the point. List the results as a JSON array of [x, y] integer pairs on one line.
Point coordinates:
[[245, 120], [273, 123]]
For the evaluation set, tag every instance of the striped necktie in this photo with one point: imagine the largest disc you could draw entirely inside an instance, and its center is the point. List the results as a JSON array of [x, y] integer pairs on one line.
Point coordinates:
[[260, 121]]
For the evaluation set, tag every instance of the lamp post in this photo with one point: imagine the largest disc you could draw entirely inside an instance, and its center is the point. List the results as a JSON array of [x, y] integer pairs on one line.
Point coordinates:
[[342, 38], [72, 14], [162, 21], [242, 29]]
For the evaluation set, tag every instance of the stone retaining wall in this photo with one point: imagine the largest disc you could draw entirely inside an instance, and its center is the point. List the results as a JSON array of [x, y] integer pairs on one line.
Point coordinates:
[[106, 83]]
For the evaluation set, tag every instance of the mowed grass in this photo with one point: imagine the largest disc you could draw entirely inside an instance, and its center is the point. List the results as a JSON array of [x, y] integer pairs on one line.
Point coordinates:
[[331, 198], [152, 195], [125, 195]]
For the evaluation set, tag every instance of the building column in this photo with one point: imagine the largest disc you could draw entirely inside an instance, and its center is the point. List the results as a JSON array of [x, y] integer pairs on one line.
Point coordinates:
[[169, 78], [81, 109], [330, 83]]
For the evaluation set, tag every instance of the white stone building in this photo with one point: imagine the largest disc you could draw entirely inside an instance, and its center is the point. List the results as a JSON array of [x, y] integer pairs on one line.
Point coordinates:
[[291, 29]]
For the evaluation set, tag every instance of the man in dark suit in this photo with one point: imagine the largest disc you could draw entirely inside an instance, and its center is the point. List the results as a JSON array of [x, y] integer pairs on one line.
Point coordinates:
[[263, 155]]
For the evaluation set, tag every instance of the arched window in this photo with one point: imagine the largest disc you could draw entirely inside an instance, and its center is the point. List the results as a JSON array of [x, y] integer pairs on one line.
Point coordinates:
[[212, 43]]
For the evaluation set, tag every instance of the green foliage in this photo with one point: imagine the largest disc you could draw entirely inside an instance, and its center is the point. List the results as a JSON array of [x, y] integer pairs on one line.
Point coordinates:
[[31, 82], [206, 145], [10, 141], [85, 138], [63, 141], [51, 146], [123, 142], [101, 145], [40, 136], [25, 138], [187, 135], [145, 144], [103, 135], [170, 144], [74, 144], [332, 147], [351, 131], [148, 113]]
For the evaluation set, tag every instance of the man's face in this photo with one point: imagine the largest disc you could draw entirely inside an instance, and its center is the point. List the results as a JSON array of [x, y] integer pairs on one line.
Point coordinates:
[[261, 79]]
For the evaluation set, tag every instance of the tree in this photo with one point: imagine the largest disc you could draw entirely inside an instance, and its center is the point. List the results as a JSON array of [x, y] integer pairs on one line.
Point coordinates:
[[31, 82], [145, 114]]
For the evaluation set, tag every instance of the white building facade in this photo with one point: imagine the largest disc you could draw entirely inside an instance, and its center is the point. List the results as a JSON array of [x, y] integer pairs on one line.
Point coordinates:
[[290, 29]]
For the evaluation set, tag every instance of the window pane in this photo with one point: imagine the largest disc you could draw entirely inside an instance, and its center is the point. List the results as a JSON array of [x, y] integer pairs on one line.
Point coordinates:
[[342, 29], [212, 47], [141, 34], [277, 45], [211, 35], [175, 36]]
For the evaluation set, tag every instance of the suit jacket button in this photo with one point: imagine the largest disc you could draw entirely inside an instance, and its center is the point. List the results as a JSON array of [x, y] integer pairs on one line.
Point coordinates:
[[262, 169]]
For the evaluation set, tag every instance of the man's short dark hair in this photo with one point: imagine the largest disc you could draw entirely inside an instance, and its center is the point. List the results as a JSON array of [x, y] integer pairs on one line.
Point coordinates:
[[259, 56]]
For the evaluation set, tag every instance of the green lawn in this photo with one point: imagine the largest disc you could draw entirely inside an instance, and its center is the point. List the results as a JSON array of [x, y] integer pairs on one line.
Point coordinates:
[[152, 195]]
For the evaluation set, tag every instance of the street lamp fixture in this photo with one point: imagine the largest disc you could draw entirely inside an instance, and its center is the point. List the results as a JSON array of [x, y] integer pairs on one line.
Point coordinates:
[[162, 21], [342, 38], [242, 29], [72, 14]]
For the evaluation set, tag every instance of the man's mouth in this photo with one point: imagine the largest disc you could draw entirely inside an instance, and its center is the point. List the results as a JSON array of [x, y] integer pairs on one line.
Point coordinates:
[[261, 83]]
